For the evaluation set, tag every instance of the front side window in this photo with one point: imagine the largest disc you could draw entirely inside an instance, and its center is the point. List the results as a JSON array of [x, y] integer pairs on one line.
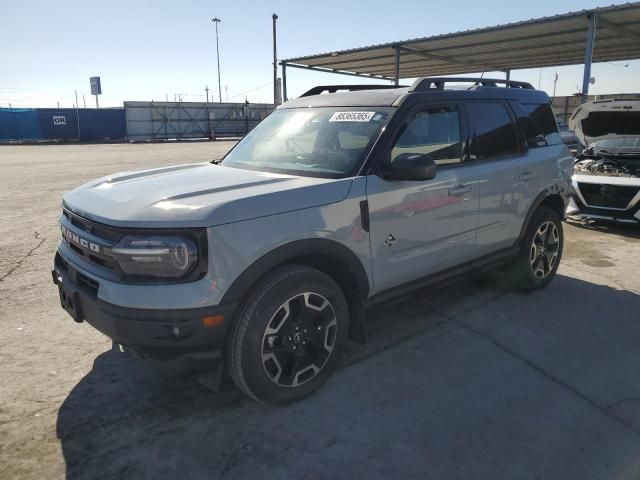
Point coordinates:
[[434, 131], [493, 133], [321, 142]]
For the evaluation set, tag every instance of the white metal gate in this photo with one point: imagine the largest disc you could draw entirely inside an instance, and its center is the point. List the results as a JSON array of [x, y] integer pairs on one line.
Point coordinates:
[[177, 120]]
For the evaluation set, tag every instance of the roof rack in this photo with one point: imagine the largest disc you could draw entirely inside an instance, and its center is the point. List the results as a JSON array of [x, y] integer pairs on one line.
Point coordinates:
[[438, 83], [347, 88]]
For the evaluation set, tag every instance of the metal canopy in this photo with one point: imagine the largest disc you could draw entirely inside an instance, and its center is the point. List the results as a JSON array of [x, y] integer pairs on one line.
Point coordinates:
[[565, 39]]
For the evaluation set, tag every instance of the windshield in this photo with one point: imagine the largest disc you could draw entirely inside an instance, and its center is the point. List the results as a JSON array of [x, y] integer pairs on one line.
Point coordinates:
[[320, 142], [618, 145]]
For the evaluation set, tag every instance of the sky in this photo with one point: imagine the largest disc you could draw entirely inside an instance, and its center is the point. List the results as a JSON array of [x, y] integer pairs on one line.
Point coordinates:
[[153, 50]]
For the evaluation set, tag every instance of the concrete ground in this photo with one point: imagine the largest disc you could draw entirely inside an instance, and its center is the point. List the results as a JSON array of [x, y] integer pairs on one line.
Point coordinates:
[[475, 381]]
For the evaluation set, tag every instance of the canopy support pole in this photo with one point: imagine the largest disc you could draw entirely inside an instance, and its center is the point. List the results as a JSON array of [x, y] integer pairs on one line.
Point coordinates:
[[284, 81], [396, 76], [588, 55], [507, 74]]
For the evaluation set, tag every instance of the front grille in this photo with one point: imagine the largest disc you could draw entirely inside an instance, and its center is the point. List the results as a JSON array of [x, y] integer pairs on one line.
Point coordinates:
[[607, 196], [109, 235], [101, 231]]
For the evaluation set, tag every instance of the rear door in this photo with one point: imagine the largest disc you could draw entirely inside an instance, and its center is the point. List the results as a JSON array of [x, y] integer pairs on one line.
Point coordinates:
[[509, 175], [421, 227]]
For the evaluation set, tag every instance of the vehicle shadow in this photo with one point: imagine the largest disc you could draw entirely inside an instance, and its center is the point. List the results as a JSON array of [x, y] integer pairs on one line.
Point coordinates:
[[445, 403]]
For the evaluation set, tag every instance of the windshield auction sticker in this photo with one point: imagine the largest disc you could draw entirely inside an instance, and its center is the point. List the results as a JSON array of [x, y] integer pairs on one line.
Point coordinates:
[[352, 116]]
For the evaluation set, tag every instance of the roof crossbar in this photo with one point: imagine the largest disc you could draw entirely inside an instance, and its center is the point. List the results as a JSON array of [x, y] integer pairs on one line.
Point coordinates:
[[347, 88], [438, 83]]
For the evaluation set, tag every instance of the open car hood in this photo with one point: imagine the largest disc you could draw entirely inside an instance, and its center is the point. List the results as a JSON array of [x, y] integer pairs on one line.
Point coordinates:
[[592, 121]]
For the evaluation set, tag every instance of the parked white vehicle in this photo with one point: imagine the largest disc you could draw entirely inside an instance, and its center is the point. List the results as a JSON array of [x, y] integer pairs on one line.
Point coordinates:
[[606, 180]]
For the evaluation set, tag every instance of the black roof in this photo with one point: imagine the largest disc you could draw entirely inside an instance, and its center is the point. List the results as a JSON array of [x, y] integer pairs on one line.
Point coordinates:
[[423, 89]]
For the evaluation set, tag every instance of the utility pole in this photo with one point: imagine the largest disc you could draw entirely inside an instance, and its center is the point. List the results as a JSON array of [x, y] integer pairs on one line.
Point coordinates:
[[226, 93], [207, 90], [77, 117], [555, 81], [540, 79], [274, 17], [84, 102], [217, 21]]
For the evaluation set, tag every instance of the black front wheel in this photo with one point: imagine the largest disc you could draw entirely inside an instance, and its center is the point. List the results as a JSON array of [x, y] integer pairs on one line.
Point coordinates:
[[286, 341]]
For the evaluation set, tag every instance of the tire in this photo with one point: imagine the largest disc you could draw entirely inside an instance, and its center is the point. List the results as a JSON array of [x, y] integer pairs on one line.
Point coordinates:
[[539, 255], [286, 340]]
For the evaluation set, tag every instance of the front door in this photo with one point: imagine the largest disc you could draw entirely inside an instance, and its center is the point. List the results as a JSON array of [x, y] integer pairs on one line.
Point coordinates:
[[422, 227]]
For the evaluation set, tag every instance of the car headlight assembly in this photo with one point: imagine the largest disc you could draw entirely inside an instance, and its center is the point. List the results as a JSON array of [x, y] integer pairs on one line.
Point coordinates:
[[156, 256]]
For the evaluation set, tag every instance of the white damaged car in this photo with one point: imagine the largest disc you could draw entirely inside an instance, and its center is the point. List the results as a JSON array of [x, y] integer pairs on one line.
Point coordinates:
[[606, 180]]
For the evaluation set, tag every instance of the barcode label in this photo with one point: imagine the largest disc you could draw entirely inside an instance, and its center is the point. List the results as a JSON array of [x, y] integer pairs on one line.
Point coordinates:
[[352, 116]]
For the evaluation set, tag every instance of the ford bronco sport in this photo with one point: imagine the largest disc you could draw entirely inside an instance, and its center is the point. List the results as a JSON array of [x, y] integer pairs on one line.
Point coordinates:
[[265, 262]]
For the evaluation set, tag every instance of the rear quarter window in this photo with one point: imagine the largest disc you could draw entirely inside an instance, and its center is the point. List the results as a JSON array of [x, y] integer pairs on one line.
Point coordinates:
[[544, 121]]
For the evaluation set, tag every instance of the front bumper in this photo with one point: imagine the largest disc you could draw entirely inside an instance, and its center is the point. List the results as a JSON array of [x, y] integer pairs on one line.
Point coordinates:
[[607, 206], [577, 208], [175, 336]]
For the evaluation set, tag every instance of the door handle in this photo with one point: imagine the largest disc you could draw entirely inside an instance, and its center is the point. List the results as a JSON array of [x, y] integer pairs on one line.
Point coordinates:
[[460, 190], [524, 176]]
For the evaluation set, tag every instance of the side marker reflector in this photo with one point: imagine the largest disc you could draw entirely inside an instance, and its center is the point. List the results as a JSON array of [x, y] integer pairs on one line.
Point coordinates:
[[213, 321]]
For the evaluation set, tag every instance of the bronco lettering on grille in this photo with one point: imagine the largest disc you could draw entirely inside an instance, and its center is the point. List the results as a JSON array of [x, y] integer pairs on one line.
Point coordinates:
[[78, 240]]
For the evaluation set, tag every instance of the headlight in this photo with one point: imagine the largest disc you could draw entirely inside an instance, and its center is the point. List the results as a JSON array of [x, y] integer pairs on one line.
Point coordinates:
[[156, 255]]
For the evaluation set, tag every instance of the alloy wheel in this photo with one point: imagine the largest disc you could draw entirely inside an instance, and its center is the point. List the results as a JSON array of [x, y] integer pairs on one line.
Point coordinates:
[[299, 339], [544, 250]]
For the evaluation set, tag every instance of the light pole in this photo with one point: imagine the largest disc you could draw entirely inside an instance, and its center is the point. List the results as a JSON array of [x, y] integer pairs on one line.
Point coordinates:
[[217, 21], [275, 62]]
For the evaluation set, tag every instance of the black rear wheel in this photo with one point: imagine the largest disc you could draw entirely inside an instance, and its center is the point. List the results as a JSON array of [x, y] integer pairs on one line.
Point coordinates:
[[286, 340], [540, 251]]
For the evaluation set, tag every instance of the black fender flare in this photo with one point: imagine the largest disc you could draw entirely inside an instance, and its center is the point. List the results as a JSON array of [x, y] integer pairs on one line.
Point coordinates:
[[288, 252], [547, 192]]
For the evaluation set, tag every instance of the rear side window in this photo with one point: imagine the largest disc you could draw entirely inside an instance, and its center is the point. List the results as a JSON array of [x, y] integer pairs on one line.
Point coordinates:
[[532, 133], [537, 124], [542, 114], [492, 131]]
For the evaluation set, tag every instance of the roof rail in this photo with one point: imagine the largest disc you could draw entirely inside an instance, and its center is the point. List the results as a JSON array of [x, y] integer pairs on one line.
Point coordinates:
[[438, 83], [348, 88]]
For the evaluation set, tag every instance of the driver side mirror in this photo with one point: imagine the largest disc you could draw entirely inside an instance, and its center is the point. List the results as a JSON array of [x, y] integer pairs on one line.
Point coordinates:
[[411, 167]]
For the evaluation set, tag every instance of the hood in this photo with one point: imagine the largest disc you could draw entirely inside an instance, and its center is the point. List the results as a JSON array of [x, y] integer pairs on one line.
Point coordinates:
[[592, 121], [198, 195]]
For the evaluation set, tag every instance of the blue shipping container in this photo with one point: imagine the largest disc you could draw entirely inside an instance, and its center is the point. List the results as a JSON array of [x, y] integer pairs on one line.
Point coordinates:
[[62, 124]]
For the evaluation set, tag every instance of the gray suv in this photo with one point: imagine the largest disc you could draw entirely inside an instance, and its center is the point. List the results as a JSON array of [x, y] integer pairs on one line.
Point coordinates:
[[263, 265]]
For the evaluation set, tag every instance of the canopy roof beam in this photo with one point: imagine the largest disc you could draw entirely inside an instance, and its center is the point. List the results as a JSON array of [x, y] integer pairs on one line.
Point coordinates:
[[631, 34], [447, 58], [339, 72]]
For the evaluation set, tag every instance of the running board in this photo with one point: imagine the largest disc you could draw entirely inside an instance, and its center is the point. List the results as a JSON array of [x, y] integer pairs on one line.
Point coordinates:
[[477, 266]]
